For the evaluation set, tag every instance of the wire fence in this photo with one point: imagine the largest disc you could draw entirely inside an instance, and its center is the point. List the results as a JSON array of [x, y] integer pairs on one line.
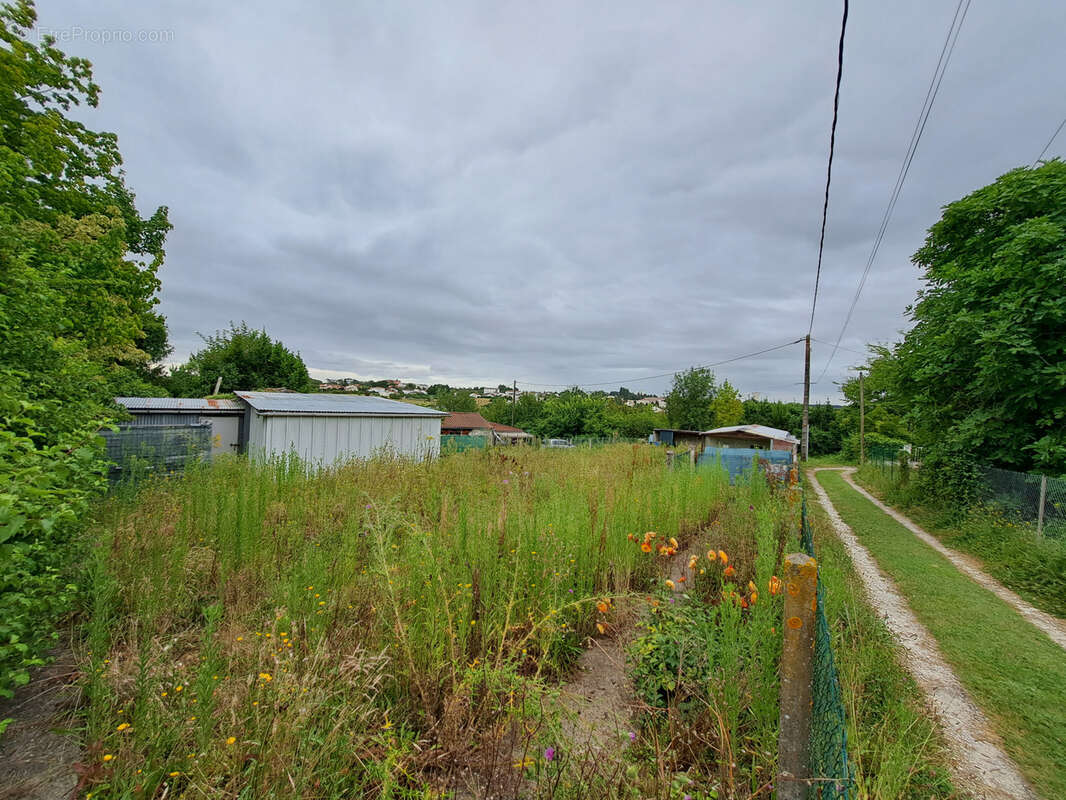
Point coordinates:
[[829, 734], [1038, 500], [137, 451], [1025, 497]]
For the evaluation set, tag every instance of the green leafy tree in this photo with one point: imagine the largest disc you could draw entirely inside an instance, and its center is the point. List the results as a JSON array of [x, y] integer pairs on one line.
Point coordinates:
[[688, 406], [245, 359], [727, 406], [77, 326], [455, 400], [983, 368]]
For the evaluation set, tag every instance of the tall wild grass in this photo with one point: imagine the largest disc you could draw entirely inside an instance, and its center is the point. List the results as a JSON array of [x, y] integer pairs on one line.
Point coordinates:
[[256, 630]]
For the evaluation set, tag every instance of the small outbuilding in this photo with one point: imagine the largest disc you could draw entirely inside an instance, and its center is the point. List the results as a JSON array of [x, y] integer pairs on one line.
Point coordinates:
[[327, 429], [508, 434], [673, 437], [465, 423], [752, 437], [224, 419]]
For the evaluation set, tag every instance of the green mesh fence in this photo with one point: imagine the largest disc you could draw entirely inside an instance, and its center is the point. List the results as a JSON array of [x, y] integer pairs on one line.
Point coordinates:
[[829, 735]]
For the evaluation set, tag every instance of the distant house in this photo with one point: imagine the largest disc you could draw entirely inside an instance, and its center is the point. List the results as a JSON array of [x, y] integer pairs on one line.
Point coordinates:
[[672, 437], [658, 403], [465, 423], [506, 434], [755, 437]]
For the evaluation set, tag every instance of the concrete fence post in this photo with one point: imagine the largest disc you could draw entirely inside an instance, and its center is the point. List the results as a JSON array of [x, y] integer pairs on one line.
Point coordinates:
[[692, 457], [1040, 511], [797, 658], [669, 459]]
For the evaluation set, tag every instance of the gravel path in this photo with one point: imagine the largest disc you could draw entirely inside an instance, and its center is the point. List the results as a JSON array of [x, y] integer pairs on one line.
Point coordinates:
[[979, 763], [1052, 626]]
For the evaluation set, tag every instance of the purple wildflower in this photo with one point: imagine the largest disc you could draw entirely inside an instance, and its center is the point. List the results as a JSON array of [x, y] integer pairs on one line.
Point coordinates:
[[632, 736], [505, 480], [549, 754], [751, 508]]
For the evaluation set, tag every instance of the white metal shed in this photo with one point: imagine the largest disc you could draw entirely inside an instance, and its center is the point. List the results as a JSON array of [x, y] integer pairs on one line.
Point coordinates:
[[327, 429]]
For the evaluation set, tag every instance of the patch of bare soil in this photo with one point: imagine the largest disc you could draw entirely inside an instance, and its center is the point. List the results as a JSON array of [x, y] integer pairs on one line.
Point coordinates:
[[36, 759], [979, 762], [1054, 627], [598, 702]]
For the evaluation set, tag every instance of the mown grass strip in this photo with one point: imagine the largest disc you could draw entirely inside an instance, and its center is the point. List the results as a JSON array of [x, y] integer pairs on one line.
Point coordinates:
[[1013, 671], [1010, 550], [893, 744]]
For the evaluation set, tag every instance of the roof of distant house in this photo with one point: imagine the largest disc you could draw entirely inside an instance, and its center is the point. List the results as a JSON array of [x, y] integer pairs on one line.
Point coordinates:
[[465, 421], [500, 428], [341, 404], [761, 431]]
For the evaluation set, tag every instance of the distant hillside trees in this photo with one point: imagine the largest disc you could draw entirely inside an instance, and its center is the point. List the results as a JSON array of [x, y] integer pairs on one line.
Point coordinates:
[[245, 359], [454, 400]]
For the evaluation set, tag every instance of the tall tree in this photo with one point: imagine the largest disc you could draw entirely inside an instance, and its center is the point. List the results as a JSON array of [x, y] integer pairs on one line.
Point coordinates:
[[727, 406], [984, 367], [455, 400], [688, 406], [245, 359], [77, 325]]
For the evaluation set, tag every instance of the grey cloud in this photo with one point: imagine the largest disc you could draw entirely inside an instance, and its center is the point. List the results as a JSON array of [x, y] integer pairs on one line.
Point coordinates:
[[555, 193]]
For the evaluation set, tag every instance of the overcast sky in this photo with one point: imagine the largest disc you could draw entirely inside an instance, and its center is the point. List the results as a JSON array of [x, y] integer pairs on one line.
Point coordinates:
[[554, 192]]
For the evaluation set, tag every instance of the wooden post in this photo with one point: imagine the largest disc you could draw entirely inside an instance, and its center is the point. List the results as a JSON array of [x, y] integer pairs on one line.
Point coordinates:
[[797, 657], [669, 459], [692, 458], [806, 394], [1040, 512], [862, 422]]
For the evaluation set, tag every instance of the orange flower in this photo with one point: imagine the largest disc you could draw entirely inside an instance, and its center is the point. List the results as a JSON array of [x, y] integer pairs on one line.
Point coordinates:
[[692, 561], [682, 579], [723, 557], [602, 607], [754, 597], [775, 585], [601, 627], [673, 542], [629, 536], [669, 584], [711, 555], [743, 603], [751, 586], [729, 571], [646, 547]]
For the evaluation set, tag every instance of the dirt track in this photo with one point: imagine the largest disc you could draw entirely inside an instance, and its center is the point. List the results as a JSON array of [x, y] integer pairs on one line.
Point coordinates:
[[979, 763]]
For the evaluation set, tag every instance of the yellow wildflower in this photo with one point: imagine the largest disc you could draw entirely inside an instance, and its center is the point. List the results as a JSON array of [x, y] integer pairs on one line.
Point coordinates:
[[108, 757], [123, 726], [265, 676], [231, 740]]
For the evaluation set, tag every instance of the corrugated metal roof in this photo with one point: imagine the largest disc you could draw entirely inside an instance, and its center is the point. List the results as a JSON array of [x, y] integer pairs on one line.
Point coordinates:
[[758, 430], [344, 404], [178, 404]]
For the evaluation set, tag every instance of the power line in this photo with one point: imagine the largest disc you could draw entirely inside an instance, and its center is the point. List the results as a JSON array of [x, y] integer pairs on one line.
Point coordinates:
[[848, 349], [1058, 130], [829, 168], [665, 374], [923, 117]]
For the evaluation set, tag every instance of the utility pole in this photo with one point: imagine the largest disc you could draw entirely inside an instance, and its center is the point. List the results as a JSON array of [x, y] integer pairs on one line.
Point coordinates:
[[514, 401], [806, 393], [862, 421]]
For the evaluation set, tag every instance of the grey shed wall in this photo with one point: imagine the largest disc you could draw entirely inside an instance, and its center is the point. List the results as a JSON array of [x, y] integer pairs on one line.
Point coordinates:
[[328, 439]]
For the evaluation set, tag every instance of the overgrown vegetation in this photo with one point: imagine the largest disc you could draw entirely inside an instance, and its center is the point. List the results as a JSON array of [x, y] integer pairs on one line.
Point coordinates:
[[380, 628], [77, 325]]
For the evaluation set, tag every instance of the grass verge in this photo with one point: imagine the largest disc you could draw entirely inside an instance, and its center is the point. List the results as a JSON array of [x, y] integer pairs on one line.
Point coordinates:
[[1010, 550], [894, 745], [1013, 671]]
